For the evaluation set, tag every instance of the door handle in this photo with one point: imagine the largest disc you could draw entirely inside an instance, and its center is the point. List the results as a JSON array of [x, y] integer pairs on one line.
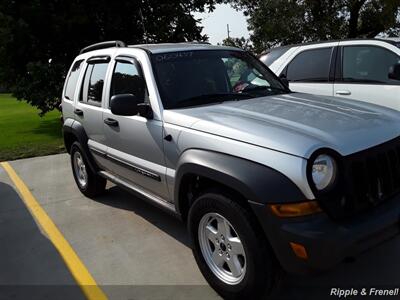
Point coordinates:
[[111, 122], [343, 92], [78, 112]]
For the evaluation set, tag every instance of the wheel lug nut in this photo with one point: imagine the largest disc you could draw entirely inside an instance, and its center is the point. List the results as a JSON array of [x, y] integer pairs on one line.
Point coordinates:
[[229, 247], [228, 256]]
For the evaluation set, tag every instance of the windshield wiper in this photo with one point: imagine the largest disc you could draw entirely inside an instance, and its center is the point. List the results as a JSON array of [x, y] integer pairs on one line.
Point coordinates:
[[265, 88], [212, 98]]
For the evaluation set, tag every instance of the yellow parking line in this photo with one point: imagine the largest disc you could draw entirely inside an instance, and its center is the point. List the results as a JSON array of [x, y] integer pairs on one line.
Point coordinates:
[[78, 270]]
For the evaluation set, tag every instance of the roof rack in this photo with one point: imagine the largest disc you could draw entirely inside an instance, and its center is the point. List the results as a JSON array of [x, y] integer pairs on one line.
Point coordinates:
[[196, 42], [103, 45]]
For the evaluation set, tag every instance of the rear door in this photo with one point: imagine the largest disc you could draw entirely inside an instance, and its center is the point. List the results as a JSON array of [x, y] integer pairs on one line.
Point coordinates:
[[363, 73], [88, 107], [311, 69]]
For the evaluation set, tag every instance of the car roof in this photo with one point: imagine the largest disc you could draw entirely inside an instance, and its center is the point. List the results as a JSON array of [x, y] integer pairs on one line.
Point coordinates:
[[174, 47], [394, 41], [157, 48]]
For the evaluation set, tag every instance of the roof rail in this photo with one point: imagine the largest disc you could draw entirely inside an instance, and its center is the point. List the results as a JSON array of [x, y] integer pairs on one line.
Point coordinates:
[[386, 40], [197, 42], [103, 45]]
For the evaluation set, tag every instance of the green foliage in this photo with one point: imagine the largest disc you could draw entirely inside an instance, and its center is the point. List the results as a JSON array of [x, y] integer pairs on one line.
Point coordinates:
[[242, 43], [41, 85], [281, 22], [34, 32]]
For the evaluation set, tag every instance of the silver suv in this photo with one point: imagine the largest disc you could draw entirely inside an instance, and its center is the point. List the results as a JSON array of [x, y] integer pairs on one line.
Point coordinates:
[[265, 179]]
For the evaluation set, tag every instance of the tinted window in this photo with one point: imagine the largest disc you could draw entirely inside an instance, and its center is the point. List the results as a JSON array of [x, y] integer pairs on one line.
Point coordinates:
[[367, 64], [191, 78], [72, 80], [272, 55], [92, 89], [127, 80], [310, 66]]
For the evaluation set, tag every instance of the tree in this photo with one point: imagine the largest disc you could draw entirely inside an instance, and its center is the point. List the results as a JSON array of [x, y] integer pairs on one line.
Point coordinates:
[[242, 43], [282, 22], [40, 38]]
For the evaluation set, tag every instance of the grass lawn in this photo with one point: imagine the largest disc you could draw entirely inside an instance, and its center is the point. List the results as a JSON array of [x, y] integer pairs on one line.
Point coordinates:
[[24, 134]]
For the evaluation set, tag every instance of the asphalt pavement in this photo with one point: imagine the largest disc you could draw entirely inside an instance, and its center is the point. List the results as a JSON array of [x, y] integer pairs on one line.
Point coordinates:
[[132, 249]]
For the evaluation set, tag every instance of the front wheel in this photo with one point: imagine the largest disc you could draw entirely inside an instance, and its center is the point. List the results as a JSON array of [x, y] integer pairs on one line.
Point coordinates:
[[231, 251]]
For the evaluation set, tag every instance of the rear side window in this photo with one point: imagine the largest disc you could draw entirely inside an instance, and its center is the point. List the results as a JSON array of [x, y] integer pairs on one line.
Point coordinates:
[[367, 64], [127, 79], [93, 83], [310, 66], [272, 55], [73, 80]]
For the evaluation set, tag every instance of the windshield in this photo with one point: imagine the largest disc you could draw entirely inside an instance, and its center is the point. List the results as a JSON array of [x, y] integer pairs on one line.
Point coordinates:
[[191, 78], [272, 55]]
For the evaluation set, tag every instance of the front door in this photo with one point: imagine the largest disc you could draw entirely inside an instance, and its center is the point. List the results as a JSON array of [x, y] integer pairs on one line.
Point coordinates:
[[309, 71], [135, 143]]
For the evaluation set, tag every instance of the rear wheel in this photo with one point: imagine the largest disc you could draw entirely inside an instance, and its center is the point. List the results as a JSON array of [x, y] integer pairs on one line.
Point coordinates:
[[88, 182], [230, 249]]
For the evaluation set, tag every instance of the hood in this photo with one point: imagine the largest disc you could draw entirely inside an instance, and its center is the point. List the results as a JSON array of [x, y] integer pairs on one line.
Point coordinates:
[[294, 123]]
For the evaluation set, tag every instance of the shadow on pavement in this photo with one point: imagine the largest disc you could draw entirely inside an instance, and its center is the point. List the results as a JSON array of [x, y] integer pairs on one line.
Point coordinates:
[[30, 266], [379, 267], [119, 198]]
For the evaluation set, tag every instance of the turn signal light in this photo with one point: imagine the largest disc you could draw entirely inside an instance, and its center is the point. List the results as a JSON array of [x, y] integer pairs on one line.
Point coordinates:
[[299, 250], [295, 209]]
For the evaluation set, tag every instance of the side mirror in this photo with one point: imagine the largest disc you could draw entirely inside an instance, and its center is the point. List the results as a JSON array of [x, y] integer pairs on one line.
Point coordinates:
[[124, 105], [394, 72], [284, 80]]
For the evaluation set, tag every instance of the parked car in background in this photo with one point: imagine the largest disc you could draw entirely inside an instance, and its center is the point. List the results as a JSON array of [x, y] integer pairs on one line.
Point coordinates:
[[366, 69]]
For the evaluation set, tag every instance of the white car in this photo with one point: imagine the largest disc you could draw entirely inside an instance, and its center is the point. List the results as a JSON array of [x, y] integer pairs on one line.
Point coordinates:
[[363, 69]]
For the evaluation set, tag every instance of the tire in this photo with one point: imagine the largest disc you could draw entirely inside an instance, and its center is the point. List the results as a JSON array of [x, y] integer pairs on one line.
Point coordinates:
[[89, 183], [260, 271]]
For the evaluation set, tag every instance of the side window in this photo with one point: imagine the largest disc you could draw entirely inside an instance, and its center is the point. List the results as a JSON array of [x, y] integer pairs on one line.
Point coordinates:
[[72, 80], [310, 66], [367, 64], [127, 79], [92, 88]]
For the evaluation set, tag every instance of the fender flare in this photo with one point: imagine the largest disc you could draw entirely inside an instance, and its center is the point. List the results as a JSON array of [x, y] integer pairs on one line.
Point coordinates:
[[73, 127], [257, 183]]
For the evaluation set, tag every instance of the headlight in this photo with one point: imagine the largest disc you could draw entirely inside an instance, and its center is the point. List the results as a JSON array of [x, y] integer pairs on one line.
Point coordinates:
[[324, 171]]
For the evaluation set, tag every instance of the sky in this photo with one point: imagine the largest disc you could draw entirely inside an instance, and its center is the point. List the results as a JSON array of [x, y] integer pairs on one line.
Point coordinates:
[[215, 23]]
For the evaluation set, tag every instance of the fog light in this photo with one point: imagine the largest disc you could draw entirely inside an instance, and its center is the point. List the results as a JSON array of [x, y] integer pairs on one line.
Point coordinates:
[[299, 250]]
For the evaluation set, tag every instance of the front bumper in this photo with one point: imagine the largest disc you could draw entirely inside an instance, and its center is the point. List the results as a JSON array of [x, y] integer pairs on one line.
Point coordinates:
[[327, 242]]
